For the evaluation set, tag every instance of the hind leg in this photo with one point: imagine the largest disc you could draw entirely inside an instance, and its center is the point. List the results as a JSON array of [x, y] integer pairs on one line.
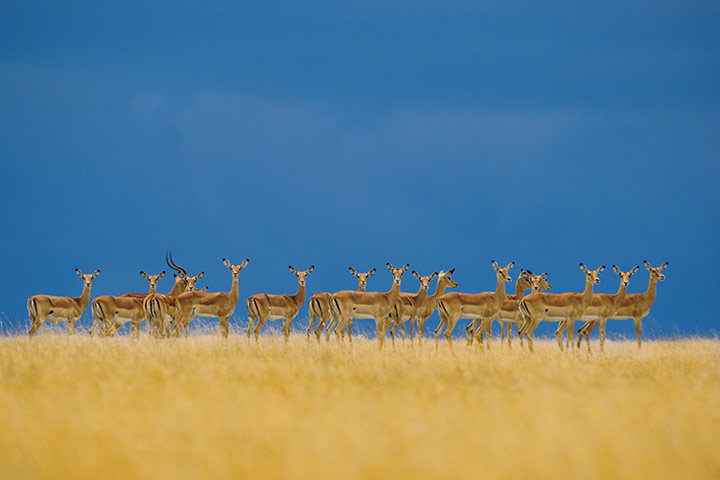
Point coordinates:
[[34, 327], [251, 324], [71, 327], [224, 327], [638, 328]]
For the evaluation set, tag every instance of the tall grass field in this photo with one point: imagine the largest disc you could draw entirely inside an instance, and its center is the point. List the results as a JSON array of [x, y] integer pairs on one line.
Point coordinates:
[[94, 408]]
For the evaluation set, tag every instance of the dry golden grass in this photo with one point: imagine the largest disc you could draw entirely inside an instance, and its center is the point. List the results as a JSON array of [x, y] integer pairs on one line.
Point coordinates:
[[116, 408]]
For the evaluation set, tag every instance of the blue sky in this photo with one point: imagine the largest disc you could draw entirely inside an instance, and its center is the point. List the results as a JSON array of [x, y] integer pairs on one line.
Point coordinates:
[[440, 134]]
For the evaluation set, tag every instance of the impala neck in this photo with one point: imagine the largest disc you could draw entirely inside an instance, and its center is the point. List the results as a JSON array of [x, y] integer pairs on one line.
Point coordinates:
[[439, 291], [649, 295], [299, 297], [177, 288], [153, 289], [500, 291], [84, 298], [519, 289], [394, 293], [235, 289], [587, 293], [620, 295], [421, 295], [361, 287]]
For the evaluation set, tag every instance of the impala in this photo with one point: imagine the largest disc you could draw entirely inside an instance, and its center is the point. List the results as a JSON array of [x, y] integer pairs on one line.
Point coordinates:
[[160, 310], [408, 304], [602, 306], [319, 307], [556, 307], [347, 304], [427, 307], [218, 305], [112, 312], [510, 314], [47, 308], [635, 306], [264, 306], [476, 306]]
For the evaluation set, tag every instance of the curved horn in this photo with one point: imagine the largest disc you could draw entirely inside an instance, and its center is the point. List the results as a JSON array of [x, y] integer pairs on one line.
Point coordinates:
[[177, 268]]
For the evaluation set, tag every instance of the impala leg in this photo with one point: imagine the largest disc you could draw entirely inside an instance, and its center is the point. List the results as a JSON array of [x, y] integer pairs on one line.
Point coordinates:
[[488, 328], [402, 328], [603, 324], [571, 334], [421, 330], [469, 332], [380, 327], [638, 328], [251, 324], [319, 329], [71, 327], [287, 329], [448, 331], [224, 327], [561, 329], [510, 333], [392, 334], [412, 321], [349, 330], [258, 327], [34, 327]]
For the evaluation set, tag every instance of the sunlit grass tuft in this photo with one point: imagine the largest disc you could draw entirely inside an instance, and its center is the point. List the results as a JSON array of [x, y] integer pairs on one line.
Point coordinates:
[[116, 408]]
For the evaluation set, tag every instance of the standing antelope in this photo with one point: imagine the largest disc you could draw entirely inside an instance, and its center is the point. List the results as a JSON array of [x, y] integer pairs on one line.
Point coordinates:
[[407, 305], [218, 305], [112, 312], [476, 306], [510, 314], [634, 306], [602, 306], [47, 308], [556, 307], [347, 304], [160, 310], [428, 306], [318, 306], [264, 306]]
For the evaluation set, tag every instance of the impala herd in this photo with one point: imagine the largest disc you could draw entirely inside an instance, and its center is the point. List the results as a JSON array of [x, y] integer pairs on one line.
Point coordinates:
[[168, 315]]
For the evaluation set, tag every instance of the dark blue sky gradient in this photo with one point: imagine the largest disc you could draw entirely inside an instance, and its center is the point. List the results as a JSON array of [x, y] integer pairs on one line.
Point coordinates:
[[442, 135]]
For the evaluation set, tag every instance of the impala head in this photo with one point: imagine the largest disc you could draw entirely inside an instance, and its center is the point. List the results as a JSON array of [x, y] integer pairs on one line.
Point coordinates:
[[362, 277], [592, 275], [301, 275], [446, 277], [525, 279], [180, 280], [87, 278], [625, 276], [424, 281], [235, 268], [502, 272], [153, 279], [191, 281], [540, 283], [397, 272], [656, 272]]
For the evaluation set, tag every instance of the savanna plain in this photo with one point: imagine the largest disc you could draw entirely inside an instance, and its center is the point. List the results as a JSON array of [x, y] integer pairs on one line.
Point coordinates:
[[79, 407]]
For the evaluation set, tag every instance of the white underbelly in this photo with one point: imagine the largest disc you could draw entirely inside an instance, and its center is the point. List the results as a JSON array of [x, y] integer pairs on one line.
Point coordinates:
[[548, 318], [275, 317], [362, 316], [621, 318], [121, 320], [471, 316], [589, 318], [53, 319], [210, 315]]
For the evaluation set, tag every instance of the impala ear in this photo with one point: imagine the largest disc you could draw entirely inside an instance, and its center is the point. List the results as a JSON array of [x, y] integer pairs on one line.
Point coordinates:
[[292, 269], [416, 275], [405, 267], [495, 265], [352, 270], [389, 266], [227, 263], [602, 267], [199, 275], [616, 269], [582, 267], [161, 274], [96, 273], [647, 265], [312, 267], [510, 265], [544, 275], [664, 266], [144, 275], [79, 272], [435, 274], [450, 272], [372, 271], [634, 270], [244, 263]]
